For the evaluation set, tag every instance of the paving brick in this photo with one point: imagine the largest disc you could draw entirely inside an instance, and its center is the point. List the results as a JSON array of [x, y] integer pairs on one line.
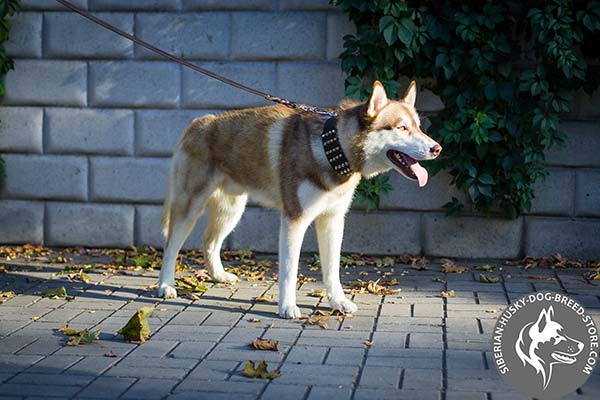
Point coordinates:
[[21, 129], [408, 196], [101, 225], [196, 350], [328, 392], [135, 5], [319, 375], [22, 222], [107, 387], [422, 378], [67, 35], [306, 354], [345, 356], [573, 154], [554, 194], [338, 26], [55, 83], [89, 131], [149, 230], [569, 237], [265, 221], [291, 392], [193, 36], [587, 193], [316, 83], [200, 91], [286, 34], [158, 131], [25, 38], [51, 380], [50, 5], [472, 237], [127, 179], [219, 387], [237, 5], [383, 377], [150, 388], [45, 177], [134, 84], [19, 389]]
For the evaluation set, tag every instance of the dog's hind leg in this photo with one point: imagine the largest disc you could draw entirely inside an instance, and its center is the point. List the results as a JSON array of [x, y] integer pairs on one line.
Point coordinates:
[[184, 211], [224, 212]]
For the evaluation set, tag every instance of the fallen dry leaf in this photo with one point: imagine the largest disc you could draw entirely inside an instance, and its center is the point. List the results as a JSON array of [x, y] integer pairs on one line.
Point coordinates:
[[265, 344], [35, 318], [65, 330], [453, 269], [137, 328], [542, 277], [190, 284], [318, 293], [110, 354], [490, 311], [488, 279], [8, 295], [260, 371], [265, 298], [191, 296], [83, 337], [447, 294], [486, 268], [368, 343], [255, 320], [59, 293], [373, 287]]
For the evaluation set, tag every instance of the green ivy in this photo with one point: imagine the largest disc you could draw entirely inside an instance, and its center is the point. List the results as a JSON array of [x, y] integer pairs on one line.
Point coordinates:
[[7, 9], [505, 71]]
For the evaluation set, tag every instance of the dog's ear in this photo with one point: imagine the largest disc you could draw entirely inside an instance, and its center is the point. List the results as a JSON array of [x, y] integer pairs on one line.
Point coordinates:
[[410, 96], [378, 100], [544, 318]]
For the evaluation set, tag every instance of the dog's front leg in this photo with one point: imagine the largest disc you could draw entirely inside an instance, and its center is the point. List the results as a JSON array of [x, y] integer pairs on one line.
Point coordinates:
[[291, 234], [330, 232]]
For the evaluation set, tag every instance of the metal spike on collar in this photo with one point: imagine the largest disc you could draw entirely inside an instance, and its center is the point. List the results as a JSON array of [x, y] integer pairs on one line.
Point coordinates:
[[333, 149]]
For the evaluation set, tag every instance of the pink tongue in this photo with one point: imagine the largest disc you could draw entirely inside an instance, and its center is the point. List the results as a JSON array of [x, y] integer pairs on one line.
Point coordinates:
[[420, 172]]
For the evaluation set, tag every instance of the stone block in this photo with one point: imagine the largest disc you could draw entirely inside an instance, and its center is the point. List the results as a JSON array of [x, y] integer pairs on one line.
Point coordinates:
[[407, 195], [68, 35], [135, 5], [148, 229], [259, 230], [193, 36], [128, 179], [46, 82], [472, 237], [574, 154], [314, 83], [21, 129], [571, 238], [158, 131], [22, 222], [50, 5], [554, 194], [25, 39], [134, 84], [281, 36], [382, 233], [338, 26], [587, 192], [237, 5], [324, 5], [89, 131], [45, 177], [200, 91], [101, 225]]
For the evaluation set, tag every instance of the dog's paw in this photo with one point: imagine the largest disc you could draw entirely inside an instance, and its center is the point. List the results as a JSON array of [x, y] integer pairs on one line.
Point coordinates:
[[225, 277], [167, 291], [343, 304], [289, 311]]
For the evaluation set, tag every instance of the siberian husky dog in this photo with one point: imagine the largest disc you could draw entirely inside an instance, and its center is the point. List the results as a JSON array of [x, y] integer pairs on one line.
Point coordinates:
[[305, 165]]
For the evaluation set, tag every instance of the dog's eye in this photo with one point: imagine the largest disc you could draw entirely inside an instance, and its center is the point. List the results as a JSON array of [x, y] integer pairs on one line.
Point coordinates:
[[403, 128]]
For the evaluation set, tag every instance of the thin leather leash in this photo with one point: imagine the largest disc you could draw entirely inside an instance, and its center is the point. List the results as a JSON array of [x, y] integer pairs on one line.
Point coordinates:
[[185, 63]]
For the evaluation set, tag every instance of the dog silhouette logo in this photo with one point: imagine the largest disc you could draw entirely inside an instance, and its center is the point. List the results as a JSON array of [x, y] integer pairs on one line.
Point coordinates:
[[545, 345]]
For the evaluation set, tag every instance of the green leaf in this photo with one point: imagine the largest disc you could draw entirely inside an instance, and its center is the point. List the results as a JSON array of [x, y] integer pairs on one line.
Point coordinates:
[[137, 328], [59, 293], [488, 279]]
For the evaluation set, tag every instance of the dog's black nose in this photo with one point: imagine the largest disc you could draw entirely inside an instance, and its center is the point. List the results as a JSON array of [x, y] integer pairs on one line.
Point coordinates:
[[436, 150]]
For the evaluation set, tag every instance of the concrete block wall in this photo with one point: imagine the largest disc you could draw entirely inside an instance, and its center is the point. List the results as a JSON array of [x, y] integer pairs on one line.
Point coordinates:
[[89, 121]]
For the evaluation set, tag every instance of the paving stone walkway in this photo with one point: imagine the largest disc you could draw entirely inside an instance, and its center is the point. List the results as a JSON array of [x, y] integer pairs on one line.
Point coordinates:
[[424, 347]]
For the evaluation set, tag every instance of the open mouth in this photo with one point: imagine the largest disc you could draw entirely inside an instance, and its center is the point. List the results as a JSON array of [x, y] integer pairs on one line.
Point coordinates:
[[408, 166], [563, 358]]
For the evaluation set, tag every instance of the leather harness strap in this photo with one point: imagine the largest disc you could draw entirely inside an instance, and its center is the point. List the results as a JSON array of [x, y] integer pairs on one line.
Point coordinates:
[[333, 149]]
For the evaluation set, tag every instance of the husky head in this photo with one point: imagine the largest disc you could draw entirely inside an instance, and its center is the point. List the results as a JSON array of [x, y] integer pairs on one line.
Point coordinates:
[[543, 344], [390, 135]]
